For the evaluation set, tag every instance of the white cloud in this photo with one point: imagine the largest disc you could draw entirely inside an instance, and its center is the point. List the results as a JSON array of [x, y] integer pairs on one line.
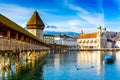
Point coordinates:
[[16, 13], [74, 25], [89, 17], [23, 24], [77, 8], [95, 18], [75, 22], [21, 15], [113, 26], [84, 20]]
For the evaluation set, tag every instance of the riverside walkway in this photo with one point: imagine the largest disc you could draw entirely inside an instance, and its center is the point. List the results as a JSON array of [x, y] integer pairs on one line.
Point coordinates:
[[102, 49]]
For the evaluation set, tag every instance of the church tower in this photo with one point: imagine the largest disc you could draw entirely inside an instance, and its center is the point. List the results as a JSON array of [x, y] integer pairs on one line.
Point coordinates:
[[35, 25], [99, 36], [104, 37], [98, 30], [103, 29]]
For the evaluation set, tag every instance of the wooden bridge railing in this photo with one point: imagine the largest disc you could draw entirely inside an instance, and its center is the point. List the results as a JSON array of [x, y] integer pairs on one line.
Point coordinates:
[[12, 45]]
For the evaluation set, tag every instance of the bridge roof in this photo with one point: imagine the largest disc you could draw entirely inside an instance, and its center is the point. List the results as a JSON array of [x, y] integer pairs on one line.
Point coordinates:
[[12, 25]]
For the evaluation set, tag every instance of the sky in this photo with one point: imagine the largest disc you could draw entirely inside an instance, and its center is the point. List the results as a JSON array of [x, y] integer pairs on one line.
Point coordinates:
[[65, 15]]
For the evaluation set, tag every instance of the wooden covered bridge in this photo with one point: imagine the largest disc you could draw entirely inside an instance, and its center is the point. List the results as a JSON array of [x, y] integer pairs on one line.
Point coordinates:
[[16, 41]]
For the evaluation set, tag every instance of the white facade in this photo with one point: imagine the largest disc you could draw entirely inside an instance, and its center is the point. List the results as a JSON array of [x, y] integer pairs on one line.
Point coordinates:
[[117, 44], [95, 40], [109, 44], [49, 39], [63, 40], [88, 43]]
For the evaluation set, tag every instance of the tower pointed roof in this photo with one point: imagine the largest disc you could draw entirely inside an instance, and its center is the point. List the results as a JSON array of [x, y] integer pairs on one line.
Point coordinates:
[[35, 20]]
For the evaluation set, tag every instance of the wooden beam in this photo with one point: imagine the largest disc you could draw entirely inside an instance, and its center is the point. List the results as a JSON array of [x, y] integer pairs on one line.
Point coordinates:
[[8, 34], [26, 39], [30, 40], [16, 36], [22, 38]]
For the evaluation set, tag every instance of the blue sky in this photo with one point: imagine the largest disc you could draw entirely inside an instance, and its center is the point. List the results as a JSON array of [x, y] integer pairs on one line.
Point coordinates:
[[66, 15]]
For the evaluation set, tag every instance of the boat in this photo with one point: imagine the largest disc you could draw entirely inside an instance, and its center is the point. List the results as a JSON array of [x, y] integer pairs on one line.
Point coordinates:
[[109, 59]]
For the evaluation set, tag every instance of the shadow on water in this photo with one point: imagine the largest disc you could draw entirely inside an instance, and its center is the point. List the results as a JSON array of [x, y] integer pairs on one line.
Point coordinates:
[[30, 70]]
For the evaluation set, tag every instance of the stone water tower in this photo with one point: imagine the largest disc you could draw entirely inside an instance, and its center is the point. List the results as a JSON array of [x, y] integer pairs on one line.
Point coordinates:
[[35, 25]]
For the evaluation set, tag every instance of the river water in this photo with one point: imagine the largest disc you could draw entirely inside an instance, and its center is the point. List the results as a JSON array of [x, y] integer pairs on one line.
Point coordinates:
[[74, 65], [83, 65]]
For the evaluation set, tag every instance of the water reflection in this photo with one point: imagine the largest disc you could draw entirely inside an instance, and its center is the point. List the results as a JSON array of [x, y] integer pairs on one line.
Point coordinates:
[[57, 61], [118, 55], [89, 58], [30, 70], [84, 65]]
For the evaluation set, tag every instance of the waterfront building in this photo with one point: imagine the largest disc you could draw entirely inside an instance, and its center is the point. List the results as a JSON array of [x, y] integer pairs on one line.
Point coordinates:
[[117, 40], [94, 40], [117, 44], [66, 40], [35, 25], [110, 43], [49, 39]]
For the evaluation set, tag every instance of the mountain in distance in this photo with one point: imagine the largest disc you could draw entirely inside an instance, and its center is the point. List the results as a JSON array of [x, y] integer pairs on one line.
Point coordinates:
[[72, 34]]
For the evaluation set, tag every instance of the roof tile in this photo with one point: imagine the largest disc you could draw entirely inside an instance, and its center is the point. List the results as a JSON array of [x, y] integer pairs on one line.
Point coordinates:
[[89, 35]]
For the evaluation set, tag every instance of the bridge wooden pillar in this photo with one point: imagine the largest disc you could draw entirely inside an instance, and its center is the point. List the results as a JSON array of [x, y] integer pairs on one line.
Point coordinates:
[[37, 55], [25, 57], [25, 64], [3, 61], [33, 63], [28, 54], [17, 58], [33, 55], [42, 53], [8, 65], [3, 74], [8, 74]]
